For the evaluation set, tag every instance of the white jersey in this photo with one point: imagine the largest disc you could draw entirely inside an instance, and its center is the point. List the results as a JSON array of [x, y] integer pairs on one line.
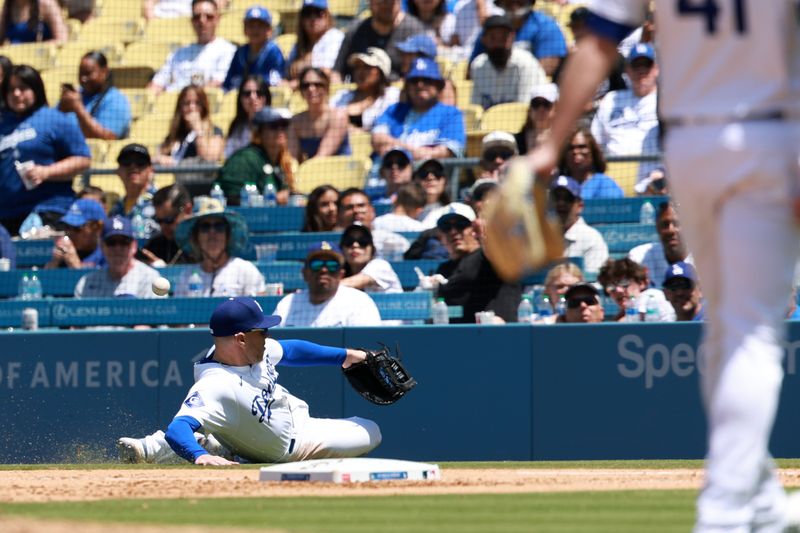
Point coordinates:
[[243, 406], [348, 307], [237, 277], [702, 57]]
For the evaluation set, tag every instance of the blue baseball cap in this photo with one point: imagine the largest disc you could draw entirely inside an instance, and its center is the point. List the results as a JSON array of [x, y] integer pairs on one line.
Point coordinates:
[[425, 67], [240, 315], [258, 13], [325, 249], [82, 211], [642, 50], [680, 269], [421, 43], [570, 184], [319, 4], [118, 225]]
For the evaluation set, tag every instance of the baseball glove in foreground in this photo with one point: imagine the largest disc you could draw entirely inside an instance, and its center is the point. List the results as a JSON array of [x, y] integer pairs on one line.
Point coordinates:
[[381, 378], [520, 235]]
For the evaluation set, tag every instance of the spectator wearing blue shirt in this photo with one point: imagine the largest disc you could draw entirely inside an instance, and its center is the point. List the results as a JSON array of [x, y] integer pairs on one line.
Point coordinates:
[[536, 32], [260, 55], [582, 159], [103, 112], [424, 126], [41, 151], [136, 172], [80, 246]]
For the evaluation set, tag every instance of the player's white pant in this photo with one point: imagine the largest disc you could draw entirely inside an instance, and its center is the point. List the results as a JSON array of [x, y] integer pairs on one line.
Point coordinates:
[[734, 186]]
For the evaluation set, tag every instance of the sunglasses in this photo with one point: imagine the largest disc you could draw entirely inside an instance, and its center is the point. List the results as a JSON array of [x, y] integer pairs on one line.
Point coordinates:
[[252, 92], [306, 85], [279, 125], [536, 103], [573, 147], [350, 241], [622, 285], [457, 224], [203, 16], [218, 227], [312, 13], [332, 265], [492, 155], [679, 284], [425, 175], [576, 301], [400, 163], [165, 220], [118, 241]]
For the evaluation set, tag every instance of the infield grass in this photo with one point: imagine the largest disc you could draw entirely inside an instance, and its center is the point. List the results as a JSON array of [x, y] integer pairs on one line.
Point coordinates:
[[606, 512]]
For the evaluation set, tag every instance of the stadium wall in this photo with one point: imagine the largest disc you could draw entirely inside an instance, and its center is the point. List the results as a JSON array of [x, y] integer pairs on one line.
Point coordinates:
[[608, 391]]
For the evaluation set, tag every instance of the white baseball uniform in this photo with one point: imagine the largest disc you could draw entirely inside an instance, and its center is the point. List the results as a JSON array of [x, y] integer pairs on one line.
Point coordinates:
[[730, 91]]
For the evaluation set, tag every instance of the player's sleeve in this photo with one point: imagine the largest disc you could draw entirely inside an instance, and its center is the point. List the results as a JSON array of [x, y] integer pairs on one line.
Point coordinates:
[[206, 403], [180, 437], [616, 19], [304, 353]]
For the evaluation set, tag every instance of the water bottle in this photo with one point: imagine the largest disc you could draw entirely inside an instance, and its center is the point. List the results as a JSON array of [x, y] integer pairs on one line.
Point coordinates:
[[195, 285], [525, 310], [543, 307], [244, 196], [34, 287], [651, 313], [440, 314], [218, 195], [24, 283], [631, 311], [647, 214], [139, 226], [270, 195], [561, 306]]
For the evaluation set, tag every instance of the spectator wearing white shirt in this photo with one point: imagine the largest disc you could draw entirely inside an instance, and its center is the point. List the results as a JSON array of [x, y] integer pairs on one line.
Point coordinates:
[[326, 302], [580, 239], [215, 237], [624, 280], [355, 207], [318, 41], [657, 256], [503, 73], [203, 63], [407, 204]]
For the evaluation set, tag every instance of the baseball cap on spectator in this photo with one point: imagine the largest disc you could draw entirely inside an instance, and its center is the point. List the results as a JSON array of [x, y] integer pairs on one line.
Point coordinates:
[[325, 250], [642, 50], [480, 188], [581, 287], [271, 115], [420, 43], [118, 225], [427, 166], [82, 211], [425, 68], [395, 153], [240, 315], [498, 21], [258, 13], [134, 153], [545, 91], [579, 15], [319, 4], [455, 213], [565, 182], [374, 57], [498, 139], [680, 270]]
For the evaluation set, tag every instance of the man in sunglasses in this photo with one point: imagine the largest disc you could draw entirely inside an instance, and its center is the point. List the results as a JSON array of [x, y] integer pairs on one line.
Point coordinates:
[[497, 148], [241, 409], [260, 55], [135, 169], [326, 303], [682, 289], [123, 276], [583, 305], [203, 63], [173, 205], [504, 72]]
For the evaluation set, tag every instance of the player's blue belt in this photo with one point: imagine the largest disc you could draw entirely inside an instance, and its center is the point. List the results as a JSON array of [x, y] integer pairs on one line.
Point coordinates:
[[755, 116]]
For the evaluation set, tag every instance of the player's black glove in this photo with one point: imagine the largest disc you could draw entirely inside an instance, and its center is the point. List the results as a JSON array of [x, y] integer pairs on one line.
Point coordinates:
[[381, 378]]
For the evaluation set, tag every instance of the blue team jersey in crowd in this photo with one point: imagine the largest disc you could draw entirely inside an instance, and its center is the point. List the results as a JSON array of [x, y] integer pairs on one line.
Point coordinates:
[[440, 125], [600, 186], [45, 137], [269, 64], [113, 111], [539, 35]]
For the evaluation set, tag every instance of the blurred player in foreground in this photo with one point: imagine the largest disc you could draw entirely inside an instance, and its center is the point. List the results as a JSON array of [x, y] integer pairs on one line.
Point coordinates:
[[236, 398], [730, 96]]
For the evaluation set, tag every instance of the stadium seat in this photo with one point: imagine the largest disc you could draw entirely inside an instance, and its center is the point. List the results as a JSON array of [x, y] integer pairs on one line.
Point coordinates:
[[71, 53], [360, 143], [98, 148], [215, 96], [445, 66], [41, 56], [146, 54], [507, 117], [118, 10], [286, 41], [177, 31], [151, 129], [231, 27], [458, 71], [280, 95], [289, 18], [472, 116], [165, 103], [625, 174], [141, 101], [344, 8], [340, 171], [474, 139], [463, 93], [123, 29], [297, 104]]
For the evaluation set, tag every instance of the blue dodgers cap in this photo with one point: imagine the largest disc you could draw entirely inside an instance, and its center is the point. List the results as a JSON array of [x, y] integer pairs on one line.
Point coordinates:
[[681, 269], [118, 225], [319, 4], [425, 67], [565, 182], [258, 13], [240, 315], [325, 249], [82, 211], [420, 43], [642, 50]]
